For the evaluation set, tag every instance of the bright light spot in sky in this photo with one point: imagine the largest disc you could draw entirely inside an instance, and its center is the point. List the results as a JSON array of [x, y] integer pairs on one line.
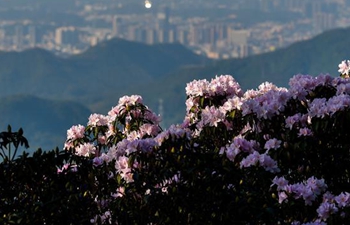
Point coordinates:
[[148, 4]]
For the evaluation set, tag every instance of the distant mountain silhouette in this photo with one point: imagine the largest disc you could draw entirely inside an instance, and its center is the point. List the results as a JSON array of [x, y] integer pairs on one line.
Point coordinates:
[[45, 122], [113, 64], [321, 54], [98, 77]]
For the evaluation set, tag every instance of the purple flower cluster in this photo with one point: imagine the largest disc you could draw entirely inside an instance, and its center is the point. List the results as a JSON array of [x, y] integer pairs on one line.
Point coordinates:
[[321, 107], [266, 102], [302, 85], [332, 204], [297, 120], [307, 190], [220, 105], [238, 145], [272, 144], [173, 133], [264, 160]]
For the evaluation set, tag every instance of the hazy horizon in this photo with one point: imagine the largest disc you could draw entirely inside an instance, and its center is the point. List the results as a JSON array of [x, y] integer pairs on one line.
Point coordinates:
[[217, 29]]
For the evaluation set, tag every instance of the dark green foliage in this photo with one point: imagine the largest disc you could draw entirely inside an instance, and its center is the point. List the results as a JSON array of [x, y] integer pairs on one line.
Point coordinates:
[[33, 192], [9, 140]]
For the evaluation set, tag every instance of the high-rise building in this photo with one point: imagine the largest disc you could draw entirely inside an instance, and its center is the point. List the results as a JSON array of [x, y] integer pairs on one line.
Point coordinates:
[[172, 36], [18, 40], [32, 36], [163, 19], [160, 36], [58, 36], [66, 36], [116, 21], [2, 37], [131, 33], [181, 36], [238, 37], [150, 36], [194, 35], [323, 21]]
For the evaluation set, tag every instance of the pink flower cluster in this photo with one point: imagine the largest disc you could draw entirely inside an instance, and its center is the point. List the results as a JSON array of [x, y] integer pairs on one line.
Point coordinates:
[[76, 132], [198, 91], [123, 168], [85, 149], [98, 120], [344, 68], [124, 104], [264, 161], [211, 116], [129, 127], [224, 85]]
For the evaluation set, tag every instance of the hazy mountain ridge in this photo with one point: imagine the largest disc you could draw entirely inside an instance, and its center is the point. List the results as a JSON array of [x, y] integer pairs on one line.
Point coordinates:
[[113, 64], [106, 72], [321, 54], [44, 122]]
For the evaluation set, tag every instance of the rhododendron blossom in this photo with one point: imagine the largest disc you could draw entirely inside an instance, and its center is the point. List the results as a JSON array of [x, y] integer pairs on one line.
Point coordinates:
[[172, 133], [326, 209], [281, 182], [231, 104], [305, 132], [211, 116], [272, 144], [344, 68], [197, 88], [97, 120], [238, 145], [75, 132], [307, 190], [85, 149], [267, 132]]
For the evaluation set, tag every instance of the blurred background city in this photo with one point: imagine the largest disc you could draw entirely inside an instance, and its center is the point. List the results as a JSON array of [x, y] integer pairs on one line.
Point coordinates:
[[215, 28]]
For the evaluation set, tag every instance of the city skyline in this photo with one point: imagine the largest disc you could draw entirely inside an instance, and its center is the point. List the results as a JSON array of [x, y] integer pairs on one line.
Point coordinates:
[[216, 29]]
